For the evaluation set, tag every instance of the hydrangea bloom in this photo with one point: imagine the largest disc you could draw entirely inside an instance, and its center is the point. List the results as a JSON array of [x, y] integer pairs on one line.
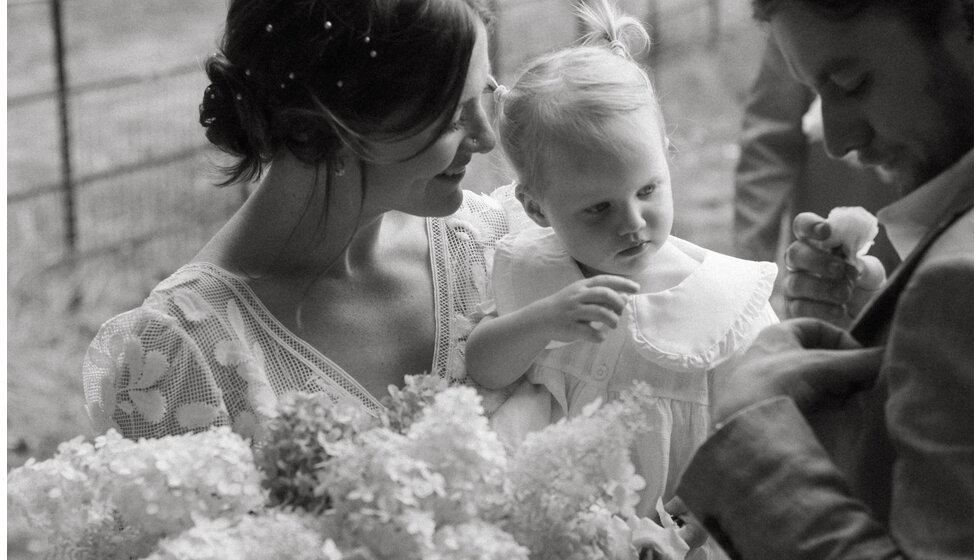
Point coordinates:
[[299, 441], [270, 535], [118, 497], [428, 480], [573, 466]]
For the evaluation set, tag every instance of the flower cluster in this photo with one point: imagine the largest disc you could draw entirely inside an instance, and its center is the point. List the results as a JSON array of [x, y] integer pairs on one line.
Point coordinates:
[[569, 479], [299, 440], [428, 479], [119, 497]]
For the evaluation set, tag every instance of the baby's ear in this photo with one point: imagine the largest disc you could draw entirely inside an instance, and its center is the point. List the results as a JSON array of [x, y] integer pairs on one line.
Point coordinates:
[[531, 206]]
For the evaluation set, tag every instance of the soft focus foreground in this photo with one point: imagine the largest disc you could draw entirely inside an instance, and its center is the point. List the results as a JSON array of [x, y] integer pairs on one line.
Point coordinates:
[[428, 480], [54, 308]]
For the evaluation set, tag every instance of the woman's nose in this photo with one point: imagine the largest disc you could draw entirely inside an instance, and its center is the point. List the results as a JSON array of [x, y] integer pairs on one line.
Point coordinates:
[[482, 137], [844, 127]]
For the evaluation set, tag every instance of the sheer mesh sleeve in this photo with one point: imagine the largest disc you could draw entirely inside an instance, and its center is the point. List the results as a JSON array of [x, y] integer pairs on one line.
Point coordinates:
[[146, 376], [199, 353]]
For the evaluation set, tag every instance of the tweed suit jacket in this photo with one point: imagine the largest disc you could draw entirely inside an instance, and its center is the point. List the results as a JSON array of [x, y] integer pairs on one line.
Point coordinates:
[[890, 475]]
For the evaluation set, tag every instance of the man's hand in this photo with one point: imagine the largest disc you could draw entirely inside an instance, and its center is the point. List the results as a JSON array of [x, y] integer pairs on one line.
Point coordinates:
[[586, 309], [822, 284], [814, 363]]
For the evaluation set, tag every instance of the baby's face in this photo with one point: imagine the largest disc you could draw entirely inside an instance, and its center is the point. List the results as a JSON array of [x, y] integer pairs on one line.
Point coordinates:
[[612, 208]]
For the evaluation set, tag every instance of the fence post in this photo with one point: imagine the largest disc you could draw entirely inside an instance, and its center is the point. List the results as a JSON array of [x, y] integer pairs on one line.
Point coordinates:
[[67, 179]]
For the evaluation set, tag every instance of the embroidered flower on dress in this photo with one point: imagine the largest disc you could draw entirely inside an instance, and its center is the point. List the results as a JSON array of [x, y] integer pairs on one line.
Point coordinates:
[[125, 359]]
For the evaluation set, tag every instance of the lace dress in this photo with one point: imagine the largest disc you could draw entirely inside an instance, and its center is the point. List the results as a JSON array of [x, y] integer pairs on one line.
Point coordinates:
[[674, 340], [203, 351]]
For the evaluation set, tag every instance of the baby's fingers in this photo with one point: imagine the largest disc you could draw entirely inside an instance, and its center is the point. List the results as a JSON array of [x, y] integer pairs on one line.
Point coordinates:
[[597, 314], [614, 283]]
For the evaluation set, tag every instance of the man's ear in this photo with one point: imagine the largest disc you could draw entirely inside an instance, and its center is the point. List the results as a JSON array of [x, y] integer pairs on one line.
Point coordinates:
[[531, 206]]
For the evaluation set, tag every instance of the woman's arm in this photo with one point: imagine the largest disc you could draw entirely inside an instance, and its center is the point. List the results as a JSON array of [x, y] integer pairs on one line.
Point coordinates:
[[501, 349]]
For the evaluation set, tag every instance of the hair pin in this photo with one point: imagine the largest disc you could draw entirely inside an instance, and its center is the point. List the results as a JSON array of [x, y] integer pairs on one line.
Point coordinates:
[[268, 28], [327, 24]]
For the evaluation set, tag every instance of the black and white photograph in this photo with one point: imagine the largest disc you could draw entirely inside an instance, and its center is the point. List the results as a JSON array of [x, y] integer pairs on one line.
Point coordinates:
[[490, 279]]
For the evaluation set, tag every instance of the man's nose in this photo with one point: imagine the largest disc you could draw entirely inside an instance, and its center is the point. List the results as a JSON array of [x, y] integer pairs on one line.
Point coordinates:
[[844, 127]]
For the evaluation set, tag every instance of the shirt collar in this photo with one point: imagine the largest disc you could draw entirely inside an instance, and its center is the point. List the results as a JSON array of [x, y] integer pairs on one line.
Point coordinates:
[[908, 219]]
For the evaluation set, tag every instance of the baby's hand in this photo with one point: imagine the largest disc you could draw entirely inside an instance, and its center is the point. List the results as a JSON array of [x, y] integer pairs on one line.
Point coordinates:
[[585, 309]]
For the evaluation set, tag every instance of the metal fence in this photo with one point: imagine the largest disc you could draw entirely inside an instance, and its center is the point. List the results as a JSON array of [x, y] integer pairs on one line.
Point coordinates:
[[104, 152]]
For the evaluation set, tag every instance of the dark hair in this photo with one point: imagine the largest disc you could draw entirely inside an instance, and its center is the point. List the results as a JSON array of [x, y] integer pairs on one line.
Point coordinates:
[[311, 76], [923, 14]]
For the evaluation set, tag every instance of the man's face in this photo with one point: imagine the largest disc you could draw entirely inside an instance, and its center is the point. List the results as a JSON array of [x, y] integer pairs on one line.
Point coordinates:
[[904, 104]]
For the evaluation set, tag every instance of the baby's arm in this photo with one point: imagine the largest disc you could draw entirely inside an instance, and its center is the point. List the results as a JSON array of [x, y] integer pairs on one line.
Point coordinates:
[[501, 349]]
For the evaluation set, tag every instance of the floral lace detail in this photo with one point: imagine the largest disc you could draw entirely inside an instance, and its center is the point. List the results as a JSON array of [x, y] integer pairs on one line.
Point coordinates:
[[130, 383]]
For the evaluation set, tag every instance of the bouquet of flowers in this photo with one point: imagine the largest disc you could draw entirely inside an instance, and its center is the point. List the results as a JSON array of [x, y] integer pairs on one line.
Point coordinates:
[[428, 479]]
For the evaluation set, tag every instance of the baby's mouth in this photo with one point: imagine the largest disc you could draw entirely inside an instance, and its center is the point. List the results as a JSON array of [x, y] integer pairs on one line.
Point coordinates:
[[635, 249]]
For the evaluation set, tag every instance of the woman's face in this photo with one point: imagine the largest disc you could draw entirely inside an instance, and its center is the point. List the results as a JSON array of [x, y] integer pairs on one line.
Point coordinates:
[[428, 184]]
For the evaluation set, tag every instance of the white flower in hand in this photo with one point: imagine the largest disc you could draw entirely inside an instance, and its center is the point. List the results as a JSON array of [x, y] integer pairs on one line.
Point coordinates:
[[852, 233]]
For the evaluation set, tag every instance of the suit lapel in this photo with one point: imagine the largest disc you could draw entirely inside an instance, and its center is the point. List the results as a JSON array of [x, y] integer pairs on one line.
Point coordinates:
[[875, 319]]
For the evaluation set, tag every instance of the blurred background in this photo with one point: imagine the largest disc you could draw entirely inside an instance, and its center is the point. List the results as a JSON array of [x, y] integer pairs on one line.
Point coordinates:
[[110, 181]]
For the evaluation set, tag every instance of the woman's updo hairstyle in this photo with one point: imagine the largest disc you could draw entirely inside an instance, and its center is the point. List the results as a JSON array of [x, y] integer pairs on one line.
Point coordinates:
[[311, 76], [567, 99]]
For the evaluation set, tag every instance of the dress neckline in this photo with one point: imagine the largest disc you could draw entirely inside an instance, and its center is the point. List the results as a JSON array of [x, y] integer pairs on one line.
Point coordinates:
[[234, 282]]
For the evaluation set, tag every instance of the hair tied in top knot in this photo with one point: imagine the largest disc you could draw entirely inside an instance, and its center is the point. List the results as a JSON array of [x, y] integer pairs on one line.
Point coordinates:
[[500, 91], [617, 47]]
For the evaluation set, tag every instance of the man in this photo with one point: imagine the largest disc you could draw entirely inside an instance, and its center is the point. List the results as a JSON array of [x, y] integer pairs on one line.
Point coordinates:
[[831, 444], [783, 168]]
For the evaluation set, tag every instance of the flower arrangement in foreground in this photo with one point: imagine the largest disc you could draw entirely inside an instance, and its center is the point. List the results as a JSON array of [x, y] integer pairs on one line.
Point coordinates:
[[427, 480]]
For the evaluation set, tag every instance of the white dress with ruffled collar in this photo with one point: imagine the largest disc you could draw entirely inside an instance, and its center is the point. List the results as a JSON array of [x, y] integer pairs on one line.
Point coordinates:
[[674, 340]]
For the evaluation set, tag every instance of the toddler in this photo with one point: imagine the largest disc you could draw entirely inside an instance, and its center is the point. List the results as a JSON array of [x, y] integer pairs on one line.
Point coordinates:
[[601, 295]]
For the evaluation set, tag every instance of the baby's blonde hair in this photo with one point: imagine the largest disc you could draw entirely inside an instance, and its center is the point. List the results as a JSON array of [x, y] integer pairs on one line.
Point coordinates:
[[567, 99]]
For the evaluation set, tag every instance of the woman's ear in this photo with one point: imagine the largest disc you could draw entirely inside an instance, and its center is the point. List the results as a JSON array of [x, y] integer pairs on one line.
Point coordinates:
[[531, 206]]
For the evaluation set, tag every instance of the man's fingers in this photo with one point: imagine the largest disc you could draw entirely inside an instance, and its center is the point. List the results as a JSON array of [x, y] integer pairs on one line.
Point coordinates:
[[815, 334], [800, 256], [833, 313], [807, 225], [804, 286], [840, 374]]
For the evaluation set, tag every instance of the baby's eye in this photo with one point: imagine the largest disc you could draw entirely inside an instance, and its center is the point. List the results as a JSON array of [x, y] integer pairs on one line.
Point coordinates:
[[597, 209], [646, 191]]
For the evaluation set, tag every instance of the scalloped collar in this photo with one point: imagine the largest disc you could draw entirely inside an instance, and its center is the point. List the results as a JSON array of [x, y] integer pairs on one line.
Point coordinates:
[[701, 319]]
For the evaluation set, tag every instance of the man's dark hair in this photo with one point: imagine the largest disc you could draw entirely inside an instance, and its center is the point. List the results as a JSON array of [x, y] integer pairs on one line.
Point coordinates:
[[924, 14]]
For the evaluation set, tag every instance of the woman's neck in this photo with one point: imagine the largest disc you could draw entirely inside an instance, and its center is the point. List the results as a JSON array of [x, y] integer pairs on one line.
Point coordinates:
[[300, 221]]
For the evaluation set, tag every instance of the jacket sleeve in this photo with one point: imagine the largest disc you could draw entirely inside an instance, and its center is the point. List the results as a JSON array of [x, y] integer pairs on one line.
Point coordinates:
[[773, 152], [765, 488]]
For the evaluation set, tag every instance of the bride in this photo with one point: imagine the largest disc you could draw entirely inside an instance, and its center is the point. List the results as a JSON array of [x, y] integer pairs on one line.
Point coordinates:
[[353, 263]]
